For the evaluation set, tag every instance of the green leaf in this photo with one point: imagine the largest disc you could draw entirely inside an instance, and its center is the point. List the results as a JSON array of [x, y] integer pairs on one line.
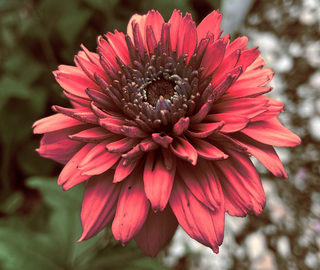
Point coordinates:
[[70, 26], [53, 194]]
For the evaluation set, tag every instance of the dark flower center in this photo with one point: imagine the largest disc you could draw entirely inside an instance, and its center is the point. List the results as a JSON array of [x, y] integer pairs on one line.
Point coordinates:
[[159, 88]]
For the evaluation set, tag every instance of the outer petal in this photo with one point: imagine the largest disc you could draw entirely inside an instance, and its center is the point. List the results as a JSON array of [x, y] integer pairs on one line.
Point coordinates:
[[70, 172], [271, 132], [53, 123], [175, 20], [158, 180], [155, 19], [233, 122], [184, 150], [99, 204], [140, 19], [156, 231], [195, 218], [241, 184], [264, 153], [132, 208], [202, 182], [211, 24], [57, 146], [206, 150]]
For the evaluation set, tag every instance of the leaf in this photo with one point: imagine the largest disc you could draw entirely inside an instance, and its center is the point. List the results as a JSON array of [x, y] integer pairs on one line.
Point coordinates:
[[70, 25], [54, 196]]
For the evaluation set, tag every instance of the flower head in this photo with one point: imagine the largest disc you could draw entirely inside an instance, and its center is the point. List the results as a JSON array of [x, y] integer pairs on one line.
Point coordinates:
[[163, 122]]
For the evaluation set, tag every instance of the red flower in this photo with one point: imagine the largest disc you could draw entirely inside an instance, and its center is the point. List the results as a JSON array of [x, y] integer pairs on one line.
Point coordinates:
[[164, 121]]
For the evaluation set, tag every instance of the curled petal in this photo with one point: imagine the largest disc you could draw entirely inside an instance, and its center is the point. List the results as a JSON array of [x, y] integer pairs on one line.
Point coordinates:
[[184, 150], [206, 150], [233, 122], [123, 171], [92, 135], [156, 231], [162, 139]]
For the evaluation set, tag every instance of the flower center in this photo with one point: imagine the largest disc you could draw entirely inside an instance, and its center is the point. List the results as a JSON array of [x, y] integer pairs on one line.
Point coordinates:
[[159, 88]]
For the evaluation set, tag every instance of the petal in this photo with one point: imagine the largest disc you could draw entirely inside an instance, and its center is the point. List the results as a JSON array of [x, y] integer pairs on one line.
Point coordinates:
[[195, 218], [184, 150], [92, 135], [53, 123], [233, 122], [245, 93], [140, 19], [99, 160], [123, 171], [257, 64], [70, 172], [155, 19], [271, 132], [132, 208], [57, 146], [211, 24], [99, 204], [247, 57], [157, 230], [241, 184], [213, 57], [249, 107], [118, 47], [158, 180], [238, 44], [175, 20], [204, 130], [206, 150], [264, 153]]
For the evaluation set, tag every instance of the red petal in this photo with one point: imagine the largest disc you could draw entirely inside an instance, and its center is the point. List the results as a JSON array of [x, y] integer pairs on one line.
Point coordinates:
[[238, 44], [271, 132], [92, 135], [140, 19], [211, 23], [154, 19], [233, 122], [213, 56], [249, 107], [70, 171], [202, 182], [57, 146], [264, 153], [53, 123], [204, 130], [98, 206], [274, 109], [257, 64], [132, 208], [156, 231], [99, 160], [175, 20], [184, 150], [247, 57], [195, 218], [90, 69], [158, 180], [206, 150], [241, 184], [123, 171], [119, 48], [187, 37], [245, 93]]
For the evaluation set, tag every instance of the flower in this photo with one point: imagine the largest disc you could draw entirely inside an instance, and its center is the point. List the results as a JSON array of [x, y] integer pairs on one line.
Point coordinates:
[[163, 122]]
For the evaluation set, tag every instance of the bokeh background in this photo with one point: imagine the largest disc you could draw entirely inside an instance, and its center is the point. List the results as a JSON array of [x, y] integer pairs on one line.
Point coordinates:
[[40, 224]]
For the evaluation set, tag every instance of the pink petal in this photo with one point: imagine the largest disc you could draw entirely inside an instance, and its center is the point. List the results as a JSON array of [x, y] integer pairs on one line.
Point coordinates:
[[202, 182], [157, 230], [265, 154], [238, 44], [245, 93], [70, 171], [247, 57], [118, 47], [99, 204], [204, 130], [257, 64], [252, 79], [53, 123], [57, 146], [92, 57], [195, 218], [233, 122], [184, 150], [98, 160], [155, 19], [132, 208], [158, 180], [175, 21], [213, 56], [123, 171], [90, 69], [140, 19], [271, 132], [241, 184], [249, 107], [206, 150], [211, 23], [274, 109], [92, 135]]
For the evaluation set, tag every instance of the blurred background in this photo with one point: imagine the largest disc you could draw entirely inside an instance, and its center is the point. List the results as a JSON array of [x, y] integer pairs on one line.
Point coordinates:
[[40, 224]]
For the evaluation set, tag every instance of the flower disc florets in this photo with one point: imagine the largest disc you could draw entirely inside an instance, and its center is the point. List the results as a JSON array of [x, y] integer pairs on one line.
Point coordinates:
[[146, 106]]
